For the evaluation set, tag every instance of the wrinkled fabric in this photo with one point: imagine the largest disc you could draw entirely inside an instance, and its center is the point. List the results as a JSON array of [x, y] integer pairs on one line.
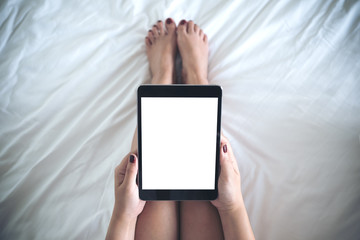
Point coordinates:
[[69, 71]]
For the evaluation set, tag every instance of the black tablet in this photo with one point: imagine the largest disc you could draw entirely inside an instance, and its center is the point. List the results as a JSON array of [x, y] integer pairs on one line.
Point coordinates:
[[179, 141]]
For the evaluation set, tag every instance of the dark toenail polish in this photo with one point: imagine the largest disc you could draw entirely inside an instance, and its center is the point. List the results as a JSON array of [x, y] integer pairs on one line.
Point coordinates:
[[150, 30], [182, 22], [159, 20], [154, 26], [168, 21], [225, 148]]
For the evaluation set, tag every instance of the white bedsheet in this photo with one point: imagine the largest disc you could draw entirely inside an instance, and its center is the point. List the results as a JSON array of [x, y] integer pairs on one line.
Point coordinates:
[[290, 72]]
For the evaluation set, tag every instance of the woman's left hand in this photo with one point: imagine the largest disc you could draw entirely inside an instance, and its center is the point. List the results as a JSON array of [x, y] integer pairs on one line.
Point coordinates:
[[127, 202]]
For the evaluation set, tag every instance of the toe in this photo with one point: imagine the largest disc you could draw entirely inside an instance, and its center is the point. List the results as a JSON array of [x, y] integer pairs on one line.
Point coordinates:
[[201, 33], [170, 26], [155, 31], [205, 38], [196, 28], [160, 27], [190, 27], [151, 36], [147, 42], [182, 26]]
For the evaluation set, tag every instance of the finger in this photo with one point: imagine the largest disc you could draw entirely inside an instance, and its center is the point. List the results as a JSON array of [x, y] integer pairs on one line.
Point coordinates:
[[131, 170], [229, 152], [227, 160], [120, 170]]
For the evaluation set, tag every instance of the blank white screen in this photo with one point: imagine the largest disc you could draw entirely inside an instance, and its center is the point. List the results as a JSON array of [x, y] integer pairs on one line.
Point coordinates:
[[178, 142]]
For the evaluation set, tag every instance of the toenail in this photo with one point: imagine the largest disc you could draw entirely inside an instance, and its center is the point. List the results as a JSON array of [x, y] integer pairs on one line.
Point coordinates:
[[168, 21], [159, 20], [154, 26], [182, 22], [150, 30]]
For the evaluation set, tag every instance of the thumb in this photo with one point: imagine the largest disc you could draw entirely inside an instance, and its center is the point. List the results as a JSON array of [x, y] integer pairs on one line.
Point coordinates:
[[226, 159], [131, 170]]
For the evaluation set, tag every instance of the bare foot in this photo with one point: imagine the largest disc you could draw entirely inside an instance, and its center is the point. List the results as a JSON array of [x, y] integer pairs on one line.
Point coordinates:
[[161, 51], [193, 47]]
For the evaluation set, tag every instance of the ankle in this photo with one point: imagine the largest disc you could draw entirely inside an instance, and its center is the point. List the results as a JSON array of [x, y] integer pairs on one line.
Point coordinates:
[[162, 79], [190, 77]]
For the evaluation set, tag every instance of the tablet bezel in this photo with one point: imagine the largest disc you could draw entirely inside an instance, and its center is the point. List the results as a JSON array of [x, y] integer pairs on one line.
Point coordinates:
[[179, 91]]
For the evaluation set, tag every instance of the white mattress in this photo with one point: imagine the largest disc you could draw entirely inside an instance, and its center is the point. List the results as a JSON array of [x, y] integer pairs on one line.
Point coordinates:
[[69, 71]]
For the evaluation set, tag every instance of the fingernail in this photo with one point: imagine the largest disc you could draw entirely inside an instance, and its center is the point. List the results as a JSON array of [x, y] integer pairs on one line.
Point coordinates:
[[182, 22], [132, 158], [168, 21], [225, 148]]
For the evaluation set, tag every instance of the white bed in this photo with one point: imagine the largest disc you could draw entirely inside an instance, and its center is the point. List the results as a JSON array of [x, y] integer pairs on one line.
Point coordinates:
[[290, 72]]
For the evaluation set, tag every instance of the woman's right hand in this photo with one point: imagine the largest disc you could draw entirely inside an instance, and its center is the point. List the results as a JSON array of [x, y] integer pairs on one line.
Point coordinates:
[[229, 184], [230, 204]]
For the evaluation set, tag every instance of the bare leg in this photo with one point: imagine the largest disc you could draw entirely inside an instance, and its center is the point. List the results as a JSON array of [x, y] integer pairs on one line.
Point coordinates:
[[198, 219], [159, 220]]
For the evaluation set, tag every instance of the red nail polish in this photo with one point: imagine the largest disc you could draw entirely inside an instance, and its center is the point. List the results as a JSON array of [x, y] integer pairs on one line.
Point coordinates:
[[132, 158], [168, 21], [182, 22], [225, 148]]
